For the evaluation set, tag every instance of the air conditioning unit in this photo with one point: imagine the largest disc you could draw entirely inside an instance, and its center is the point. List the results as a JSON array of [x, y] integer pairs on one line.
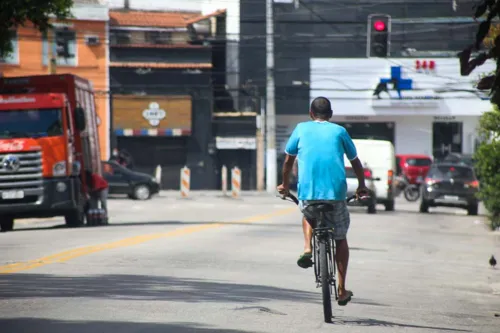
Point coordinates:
[[92, 40]]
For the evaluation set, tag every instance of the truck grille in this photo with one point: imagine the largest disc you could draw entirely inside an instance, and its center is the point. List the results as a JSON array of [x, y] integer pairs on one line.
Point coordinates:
[[21, 171]]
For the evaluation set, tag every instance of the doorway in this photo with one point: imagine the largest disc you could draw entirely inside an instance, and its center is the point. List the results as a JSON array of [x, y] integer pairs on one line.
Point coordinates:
[[447, 137]]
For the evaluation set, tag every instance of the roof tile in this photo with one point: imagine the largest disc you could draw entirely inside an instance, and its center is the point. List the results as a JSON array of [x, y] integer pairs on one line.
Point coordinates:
[[204, 17], [137, 18]]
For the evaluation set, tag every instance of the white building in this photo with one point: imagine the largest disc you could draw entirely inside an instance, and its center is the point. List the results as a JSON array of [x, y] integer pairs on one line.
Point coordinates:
[[439, 113]]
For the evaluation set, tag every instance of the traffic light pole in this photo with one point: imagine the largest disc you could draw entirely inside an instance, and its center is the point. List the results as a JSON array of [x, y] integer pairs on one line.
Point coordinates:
[[271, 158]]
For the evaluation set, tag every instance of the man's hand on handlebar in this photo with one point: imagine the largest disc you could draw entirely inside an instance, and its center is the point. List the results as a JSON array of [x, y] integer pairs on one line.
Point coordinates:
[[283, 190], [362, 191]]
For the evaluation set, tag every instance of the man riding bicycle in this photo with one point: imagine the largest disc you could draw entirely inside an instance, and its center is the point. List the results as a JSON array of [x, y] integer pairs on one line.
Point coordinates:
[[319, 147]]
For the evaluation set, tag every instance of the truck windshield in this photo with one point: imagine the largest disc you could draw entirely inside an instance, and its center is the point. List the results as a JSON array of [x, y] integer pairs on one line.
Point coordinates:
[[31, 123]]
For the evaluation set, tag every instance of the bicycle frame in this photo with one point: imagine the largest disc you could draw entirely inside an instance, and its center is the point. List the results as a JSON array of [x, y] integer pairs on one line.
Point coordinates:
[[324, 234]]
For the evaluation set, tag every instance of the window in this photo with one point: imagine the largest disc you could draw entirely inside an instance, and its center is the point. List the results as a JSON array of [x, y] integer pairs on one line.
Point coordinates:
[[349, 173], [31, 123], [158, 37], [13, 57], [119, 37], [419, 162], [64, 47], [449, 172]]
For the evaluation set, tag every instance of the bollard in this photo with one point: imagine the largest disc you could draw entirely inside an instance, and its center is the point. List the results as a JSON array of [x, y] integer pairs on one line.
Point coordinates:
[[158, 174], [185, 181], [235, 182], [224, 180]]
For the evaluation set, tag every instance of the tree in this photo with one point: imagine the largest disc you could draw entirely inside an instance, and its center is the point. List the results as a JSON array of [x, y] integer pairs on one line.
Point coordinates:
[[14, 13], [487, 155]]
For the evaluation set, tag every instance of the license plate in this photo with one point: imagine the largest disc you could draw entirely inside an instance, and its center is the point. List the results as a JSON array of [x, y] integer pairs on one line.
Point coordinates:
[[451, 197], [420, 179], [12, 195]]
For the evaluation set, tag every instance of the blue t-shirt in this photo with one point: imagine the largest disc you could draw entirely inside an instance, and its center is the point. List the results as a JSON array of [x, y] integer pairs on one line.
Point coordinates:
[[320, 147]]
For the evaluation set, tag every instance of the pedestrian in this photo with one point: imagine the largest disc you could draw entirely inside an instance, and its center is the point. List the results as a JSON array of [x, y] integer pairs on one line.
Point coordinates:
[[99, 189], [126, 159]]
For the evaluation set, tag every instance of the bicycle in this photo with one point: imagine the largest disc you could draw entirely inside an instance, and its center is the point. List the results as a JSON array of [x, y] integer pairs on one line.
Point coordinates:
[[325, 268]]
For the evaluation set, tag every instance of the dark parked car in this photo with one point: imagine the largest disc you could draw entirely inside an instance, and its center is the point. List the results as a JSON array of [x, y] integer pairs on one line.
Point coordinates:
[[467, 159], [136, 185], [450, 185]]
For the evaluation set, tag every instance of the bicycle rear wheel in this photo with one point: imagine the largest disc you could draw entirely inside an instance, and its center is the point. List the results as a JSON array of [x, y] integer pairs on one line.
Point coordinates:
[[325, 281]]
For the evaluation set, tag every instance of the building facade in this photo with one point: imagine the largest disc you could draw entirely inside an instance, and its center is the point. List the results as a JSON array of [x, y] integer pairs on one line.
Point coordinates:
[[437, 112], [321, 50], [86, 36], [162, 85]]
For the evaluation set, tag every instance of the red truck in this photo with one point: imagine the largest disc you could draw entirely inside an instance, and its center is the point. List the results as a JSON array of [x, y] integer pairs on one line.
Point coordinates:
[[48, 139]]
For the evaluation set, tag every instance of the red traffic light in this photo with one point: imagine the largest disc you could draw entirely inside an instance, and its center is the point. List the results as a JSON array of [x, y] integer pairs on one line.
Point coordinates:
[[379, 25]]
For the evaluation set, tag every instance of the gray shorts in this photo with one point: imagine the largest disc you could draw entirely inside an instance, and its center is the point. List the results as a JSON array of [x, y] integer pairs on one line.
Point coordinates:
[[338, 218]]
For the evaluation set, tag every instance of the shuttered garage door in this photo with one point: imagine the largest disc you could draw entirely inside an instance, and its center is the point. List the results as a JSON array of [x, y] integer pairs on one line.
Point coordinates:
[[149, 152]]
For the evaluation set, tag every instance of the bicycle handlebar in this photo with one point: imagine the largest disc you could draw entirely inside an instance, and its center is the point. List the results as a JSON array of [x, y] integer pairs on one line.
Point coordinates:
[[349, 199]]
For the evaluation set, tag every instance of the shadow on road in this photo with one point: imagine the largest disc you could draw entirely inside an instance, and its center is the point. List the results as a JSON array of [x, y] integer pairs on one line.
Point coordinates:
[[39, 325], [401, 211], [382, 323], [140, 287], [157, 223]]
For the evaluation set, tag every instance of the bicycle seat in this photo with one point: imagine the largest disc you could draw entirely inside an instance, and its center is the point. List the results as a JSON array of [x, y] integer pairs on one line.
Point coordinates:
[[322, 207]]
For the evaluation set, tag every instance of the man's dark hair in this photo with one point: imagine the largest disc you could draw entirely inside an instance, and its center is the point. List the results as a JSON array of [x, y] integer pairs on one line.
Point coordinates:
[[321, 108]]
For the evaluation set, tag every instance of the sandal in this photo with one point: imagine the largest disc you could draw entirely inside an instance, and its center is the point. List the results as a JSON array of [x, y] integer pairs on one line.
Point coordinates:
[[305, 260], [346, 300]]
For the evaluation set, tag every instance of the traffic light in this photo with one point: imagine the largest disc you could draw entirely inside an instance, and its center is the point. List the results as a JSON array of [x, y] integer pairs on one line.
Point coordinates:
[[379, 32]]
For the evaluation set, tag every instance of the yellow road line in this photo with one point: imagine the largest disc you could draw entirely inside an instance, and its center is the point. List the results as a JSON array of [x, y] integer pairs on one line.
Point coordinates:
[[86, 250]]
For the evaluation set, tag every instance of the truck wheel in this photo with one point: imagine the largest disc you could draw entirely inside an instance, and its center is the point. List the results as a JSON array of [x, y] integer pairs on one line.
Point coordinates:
[[372, 209], [142, 192], [389, 206], [6, 224], [76, 217]]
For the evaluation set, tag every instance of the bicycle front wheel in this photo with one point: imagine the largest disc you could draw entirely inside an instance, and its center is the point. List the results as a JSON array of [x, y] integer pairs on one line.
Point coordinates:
[[325, 281]]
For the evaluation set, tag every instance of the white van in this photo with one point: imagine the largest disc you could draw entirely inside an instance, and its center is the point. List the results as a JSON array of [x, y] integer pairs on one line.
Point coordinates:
[[379, 160]]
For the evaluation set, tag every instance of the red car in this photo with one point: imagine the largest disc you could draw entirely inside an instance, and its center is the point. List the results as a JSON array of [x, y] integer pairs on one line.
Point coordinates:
[[413, 166]]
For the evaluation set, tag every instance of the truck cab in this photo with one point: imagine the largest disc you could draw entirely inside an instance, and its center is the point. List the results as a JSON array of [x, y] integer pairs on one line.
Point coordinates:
[[42, 157]]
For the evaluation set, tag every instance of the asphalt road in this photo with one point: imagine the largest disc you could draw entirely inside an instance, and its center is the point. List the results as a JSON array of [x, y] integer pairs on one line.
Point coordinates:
[[218, 265]]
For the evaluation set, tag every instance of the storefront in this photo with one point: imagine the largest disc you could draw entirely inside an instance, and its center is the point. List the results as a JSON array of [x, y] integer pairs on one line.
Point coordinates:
[[155, 131], [423, 109], [430, 135]]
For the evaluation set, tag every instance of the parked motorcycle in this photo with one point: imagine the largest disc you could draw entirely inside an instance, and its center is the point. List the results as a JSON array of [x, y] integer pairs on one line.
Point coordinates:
[[411, 192]]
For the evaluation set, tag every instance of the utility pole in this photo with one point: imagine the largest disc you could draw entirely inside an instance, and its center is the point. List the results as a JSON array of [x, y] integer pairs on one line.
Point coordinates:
[[261, 125], [52, 48], [271, 168]]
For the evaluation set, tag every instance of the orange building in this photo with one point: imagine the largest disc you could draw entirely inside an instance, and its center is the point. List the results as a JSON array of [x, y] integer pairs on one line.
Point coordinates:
[[86, 37]]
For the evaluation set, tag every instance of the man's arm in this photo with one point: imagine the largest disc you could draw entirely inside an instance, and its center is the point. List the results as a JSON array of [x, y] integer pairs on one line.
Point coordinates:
[[352, 155], [360, 172], [291, 150], [287, 169]]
